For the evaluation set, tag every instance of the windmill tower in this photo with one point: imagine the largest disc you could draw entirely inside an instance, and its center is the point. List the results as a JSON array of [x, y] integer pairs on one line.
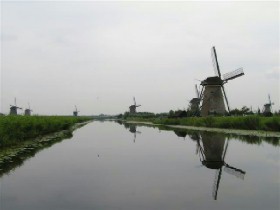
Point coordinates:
[[212, 154], [75, 112], [14, 108], [132, 108], [267, 107], [27, 112], [213, 89], [194, 103]]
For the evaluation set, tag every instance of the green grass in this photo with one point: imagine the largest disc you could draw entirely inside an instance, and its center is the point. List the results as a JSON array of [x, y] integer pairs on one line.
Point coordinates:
[[252, 122], [15, 129]]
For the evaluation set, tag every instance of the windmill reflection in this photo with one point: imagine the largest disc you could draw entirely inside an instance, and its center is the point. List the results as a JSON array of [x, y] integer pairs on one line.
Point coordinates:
[[212, 149], [133, 129]]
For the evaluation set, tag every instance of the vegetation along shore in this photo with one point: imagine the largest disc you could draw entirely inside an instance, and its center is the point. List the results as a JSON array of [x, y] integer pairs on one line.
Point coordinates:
[[17, 129], [251, 122]]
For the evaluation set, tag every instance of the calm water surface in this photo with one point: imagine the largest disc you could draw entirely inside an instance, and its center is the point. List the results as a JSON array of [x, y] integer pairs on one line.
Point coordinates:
[[108, 166]]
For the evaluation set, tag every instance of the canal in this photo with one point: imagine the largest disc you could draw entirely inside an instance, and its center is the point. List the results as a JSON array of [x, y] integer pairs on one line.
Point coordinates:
[[116, 166]]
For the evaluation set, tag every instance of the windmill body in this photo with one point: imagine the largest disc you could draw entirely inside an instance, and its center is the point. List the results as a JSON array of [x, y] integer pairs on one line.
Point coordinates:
[[27, 112], [267, 107], [14, 108], [194, 103], [213, 99], [132, 108], [213, 94], [75, 112]]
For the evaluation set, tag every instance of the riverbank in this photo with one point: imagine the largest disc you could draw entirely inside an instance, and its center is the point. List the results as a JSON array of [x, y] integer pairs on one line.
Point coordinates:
[[17, 129], [251, 122], [257, 133]]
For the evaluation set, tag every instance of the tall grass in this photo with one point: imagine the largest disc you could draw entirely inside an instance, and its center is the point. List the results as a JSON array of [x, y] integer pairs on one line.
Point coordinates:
[[231, 122], [15, 129]]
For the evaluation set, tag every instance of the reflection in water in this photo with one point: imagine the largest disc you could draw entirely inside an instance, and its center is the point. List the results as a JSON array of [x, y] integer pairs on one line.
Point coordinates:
[[212, 149], [132, 128], [11, 158]]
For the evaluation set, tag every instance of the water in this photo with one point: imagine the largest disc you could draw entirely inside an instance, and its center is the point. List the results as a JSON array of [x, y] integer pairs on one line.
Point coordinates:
[[108, 166]]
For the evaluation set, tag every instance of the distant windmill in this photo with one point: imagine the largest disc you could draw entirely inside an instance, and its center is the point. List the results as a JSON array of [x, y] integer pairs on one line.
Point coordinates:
[[75, 112], [14, 108], [132, 108], [212, 155], [213, 91], [194, 103], [267, 107], [28, 111]]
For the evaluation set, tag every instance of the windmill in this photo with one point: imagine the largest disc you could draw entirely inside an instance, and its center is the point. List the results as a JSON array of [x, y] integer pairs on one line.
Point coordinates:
[[212, 155], [194, 103], [75, 112], [14, 108], [267, 107], [28, 111], [132, 108], [213, 89]]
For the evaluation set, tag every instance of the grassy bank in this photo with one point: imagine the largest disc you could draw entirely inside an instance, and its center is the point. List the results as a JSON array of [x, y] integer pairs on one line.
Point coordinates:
[[241, 122], [16, 129]]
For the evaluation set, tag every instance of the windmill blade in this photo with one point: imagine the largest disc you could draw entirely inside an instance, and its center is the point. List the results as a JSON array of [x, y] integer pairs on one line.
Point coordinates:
[[233, 74], [215, 62], [225, 152], [234, 171], [134, 101], [216, 183], [15, 101], [201, 93], [137, 105], [197, 92], [269, 99], [224, 92]]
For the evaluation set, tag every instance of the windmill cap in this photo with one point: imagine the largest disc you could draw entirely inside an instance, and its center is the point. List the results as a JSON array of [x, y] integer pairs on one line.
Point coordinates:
[[213, 164], [212, 81]]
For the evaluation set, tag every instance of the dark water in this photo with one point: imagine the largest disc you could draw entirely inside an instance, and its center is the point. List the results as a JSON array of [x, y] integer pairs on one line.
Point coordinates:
[[107, 166]]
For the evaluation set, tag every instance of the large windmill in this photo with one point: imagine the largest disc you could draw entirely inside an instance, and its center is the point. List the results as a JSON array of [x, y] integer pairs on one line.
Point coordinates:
[[267, 107], [75, 112], [27, 111], [212, 154], [132, 108], [213, 91], [194, 103], [14, 108]]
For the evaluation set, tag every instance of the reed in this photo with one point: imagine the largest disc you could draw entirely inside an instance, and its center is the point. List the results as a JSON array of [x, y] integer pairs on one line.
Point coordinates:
[[15, 129], [252, 122]]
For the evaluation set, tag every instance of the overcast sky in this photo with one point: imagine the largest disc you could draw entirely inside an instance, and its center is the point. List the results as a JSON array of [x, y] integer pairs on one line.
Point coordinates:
[[98, 55]]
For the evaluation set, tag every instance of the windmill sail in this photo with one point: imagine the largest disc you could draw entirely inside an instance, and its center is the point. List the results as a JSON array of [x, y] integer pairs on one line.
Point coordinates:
[[234, 171], [224, 92], [197, 92], [215, 62], [233, 74], [216, 183]]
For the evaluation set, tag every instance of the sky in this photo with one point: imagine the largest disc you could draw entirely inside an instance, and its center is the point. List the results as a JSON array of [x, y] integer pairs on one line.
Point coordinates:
[[98, 55]]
